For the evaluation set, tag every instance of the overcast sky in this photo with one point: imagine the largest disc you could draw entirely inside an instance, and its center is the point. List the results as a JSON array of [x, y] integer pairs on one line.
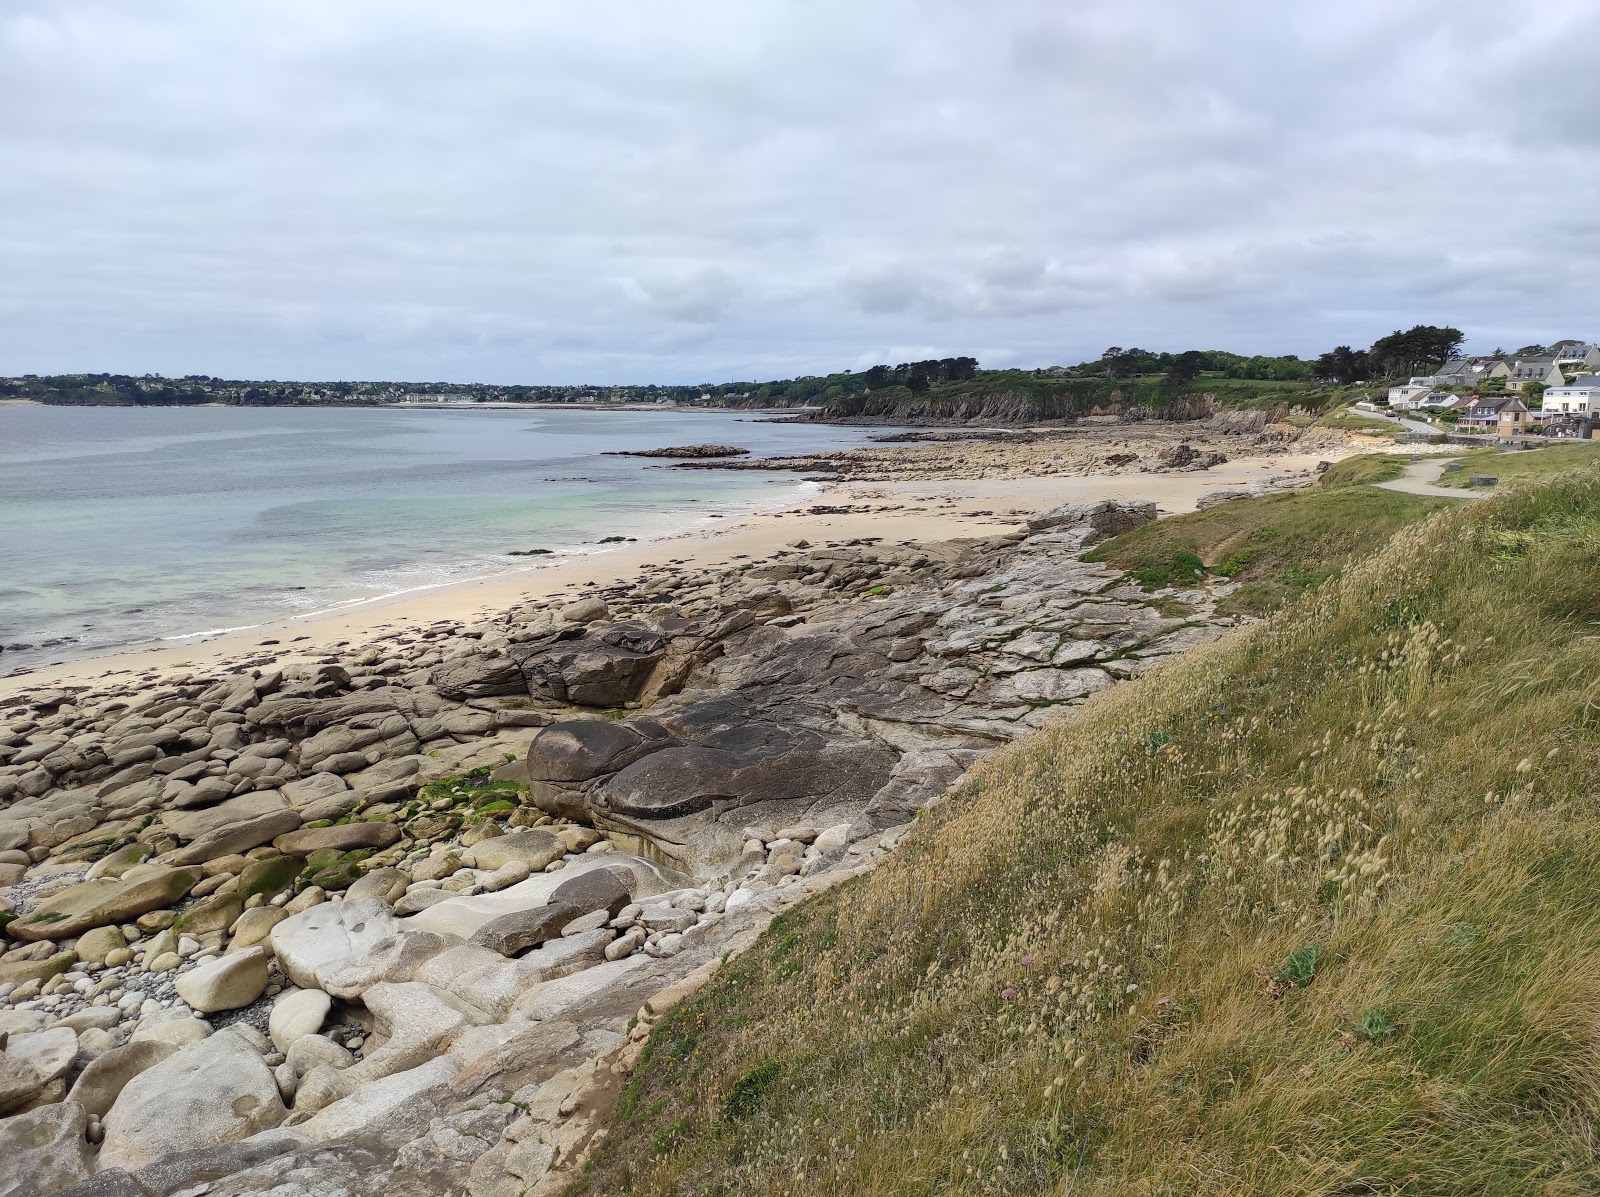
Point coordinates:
[[690, 190]]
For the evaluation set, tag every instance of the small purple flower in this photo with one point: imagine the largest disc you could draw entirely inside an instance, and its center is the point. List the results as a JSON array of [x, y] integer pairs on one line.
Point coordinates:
[[1009, 994]]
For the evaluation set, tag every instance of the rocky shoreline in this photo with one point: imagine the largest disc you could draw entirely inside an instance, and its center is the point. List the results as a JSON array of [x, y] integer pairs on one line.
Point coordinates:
[[398, 916]]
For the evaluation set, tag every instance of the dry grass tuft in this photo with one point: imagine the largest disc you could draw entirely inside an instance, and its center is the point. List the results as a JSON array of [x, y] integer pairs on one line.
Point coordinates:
[[1316, 911]]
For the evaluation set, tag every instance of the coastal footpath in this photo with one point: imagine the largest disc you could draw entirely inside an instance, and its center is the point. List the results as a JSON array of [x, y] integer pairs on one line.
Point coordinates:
[[399, 915]]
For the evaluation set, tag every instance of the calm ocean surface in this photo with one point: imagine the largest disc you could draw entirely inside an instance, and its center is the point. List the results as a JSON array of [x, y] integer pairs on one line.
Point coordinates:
[[121, 526]]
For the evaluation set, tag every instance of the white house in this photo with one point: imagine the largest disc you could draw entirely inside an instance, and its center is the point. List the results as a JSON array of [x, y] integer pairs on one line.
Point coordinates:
[[1411, 394], [1580, 397]]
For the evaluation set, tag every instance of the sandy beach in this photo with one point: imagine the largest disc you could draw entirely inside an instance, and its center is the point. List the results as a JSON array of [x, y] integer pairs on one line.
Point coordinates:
[[894, 510]]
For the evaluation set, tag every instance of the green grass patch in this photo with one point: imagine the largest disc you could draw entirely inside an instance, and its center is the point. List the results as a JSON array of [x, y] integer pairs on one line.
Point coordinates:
[[1364, 469], [1523, 465], [1277, 547]]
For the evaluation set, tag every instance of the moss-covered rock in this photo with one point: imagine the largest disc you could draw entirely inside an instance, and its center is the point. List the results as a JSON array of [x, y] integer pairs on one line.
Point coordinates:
[[269, 877]]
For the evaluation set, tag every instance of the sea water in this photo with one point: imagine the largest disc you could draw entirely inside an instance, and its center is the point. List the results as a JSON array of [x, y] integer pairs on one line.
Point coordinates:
[[129, 526]]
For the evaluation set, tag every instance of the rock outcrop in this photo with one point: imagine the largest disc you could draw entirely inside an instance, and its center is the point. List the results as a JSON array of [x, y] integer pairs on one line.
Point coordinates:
[[394, 919]]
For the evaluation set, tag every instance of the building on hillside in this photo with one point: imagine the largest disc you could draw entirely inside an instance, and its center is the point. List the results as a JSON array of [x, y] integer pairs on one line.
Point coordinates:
[[1581, 396], [1515, 420], [1469, 373], [1579, 355], [1442, 401], [1534, 369], [1408, 395], [1483, 415]]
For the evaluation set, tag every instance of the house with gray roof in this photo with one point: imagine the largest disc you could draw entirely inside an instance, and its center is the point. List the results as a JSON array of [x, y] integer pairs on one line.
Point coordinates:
[[1534, 369]]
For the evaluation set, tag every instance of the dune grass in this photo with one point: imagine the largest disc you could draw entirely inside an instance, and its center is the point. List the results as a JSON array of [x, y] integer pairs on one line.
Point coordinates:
[[1276, 547], [1313, 911]]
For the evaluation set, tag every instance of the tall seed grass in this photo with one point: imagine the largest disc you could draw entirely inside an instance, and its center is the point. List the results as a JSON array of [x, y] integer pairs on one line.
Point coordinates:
[[1076, 976]]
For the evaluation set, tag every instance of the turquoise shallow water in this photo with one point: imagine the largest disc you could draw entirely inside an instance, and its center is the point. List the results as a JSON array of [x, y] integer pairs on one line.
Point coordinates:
[[121, 526]]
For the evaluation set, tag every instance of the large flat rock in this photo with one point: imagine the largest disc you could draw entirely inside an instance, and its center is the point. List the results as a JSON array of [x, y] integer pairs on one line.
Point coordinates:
[[463, 916], [98, 903]]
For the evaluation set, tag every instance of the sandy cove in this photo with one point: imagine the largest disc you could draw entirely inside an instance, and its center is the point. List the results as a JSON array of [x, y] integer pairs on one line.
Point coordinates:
[[924, 508]]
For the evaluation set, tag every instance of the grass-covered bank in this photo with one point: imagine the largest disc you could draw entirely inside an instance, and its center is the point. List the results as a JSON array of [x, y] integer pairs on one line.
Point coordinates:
[[1276, 547], [1314, 911]]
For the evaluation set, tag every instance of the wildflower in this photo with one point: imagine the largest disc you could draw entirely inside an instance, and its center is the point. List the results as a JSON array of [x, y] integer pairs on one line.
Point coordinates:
[[1009, 994]]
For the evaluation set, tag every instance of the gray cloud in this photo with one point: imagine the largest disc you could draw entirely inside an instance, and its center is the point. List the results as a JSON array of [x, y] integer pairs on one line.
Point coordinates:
[[637, 191]]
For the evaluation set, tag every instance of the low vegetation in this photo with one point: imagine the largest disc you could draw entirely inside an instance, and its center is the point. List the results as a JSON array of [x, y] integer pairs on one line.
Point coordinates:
[[1313, 911], [1523, 465], [1276, 547]]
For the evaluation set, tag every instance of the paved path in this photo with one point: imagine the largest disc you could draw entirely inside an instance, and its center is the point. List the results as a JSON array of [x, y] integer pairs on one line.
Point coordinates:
[[1419, 478]]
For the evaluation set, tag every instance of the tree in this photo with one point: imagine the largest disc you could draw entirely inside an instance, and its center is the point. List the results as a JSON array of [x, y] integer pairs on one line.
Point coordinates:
[[1186, 367], [1420, 349], [877, 378], [1343, 365], [917, 383], [1533, 395]]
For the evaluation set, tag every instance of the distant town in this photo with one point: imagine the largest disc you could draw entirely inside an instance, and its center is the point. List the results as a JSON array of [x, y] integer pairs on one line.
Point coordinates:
[[1542, 390]]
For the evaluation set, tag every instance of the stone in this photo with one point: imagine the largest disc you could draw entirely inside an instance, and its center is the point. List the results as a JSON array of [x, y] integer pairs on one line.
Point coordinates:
[[342, 837], [386, 884], [317, 1051], [418, 898], [270, 876], [96, 944], [94, 1043], [44, 1151], [104, 1018], [577, 750], [20, 1083], [98, 1085], [588, 610], [307, 791], [175, 1032], [216, 912], [516, 932], [229, 983], [255, 926], [395, 1108], [598, 889], [569, 996], [115, 864], [336, 806], [296, 1015], [507, 875], [97, 903], [1103, 519], [592, 921], [215, 1091], [21, 972], [576, 838], [49, 1053], [329, 934], [395, 959], [532, 846], [626, 944]]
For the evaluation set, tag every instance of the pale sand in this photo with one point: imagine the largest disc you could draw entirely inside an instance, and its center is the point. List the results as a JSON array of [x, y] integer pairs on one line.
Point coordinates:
[[932, 510]]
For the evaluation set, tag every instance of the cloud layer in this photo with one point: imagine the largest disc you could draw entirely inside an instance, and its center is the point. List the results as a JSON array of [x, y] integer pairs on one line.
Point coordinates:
[[633, 191]]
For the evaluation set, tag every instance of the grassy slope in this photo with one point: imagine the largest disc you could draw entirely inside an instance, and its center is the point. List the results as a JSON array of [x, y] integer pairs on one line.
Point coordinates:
[[1524, 465], [1076, 975], [1275, 547]]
